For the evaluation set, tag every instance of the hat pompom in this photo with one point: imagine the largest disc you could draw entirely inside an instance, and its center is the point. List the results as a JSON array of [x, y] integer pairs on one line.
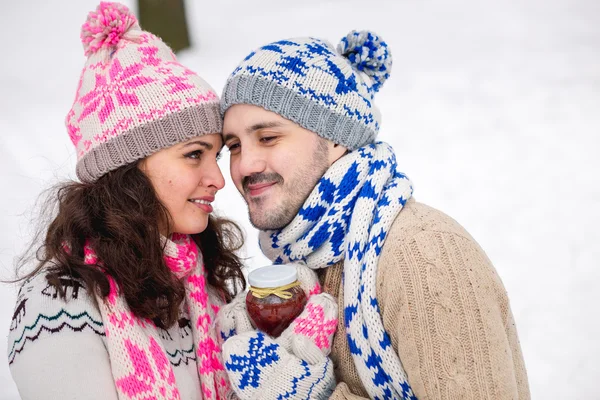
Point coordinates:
[[368, 53], [106, 26]]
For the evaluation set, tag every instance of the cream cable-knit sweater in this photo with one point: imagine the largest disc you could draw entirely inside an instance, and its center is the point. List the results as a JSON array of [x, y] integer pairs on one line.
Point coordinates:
[[446, 311]]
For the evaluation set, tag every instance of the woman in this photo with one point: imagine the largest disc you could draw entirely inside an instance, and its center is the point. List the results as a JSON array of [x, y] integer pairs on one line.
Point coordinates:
[[133, 267]]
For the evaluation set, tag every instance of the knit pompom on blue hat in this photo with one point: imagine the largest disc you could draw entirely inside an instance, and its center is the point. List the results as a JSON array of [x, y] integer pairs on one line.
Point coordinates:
[[306, 80], [369, 54]]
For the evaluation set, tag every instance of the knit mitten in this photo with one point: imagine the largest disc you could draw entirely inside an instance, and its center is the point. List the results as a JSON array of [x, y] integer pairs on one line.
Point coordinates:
[[317, 323], [260, 368], [293, 366], [233, 318]]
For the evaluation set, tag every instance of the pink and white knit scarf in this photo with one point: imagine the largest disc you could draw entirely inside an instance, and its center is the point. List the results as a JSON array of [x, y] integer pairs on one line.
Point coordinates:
[[139, 363]]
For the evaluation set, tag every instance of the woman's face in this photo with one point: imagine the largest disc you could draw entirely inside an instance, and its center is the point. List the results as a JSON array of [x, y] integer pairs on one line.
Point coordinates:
[[186, 178]]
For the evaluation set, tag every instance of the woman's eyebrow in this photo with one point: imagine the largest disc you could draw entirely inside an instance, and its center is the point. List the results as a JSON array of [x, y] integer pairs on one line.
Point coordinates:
[[200, 142]]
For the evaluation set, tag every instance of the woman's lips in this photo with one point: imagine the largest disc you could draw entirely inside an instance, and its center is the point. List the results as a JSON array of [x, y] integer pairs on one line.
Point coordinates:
[[207, 208], [204, 203]]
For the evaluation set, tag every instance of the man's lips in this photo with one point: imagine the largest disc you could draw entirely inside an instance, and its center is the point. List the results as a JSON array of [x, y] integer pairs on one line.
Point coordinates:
[[259, 188]]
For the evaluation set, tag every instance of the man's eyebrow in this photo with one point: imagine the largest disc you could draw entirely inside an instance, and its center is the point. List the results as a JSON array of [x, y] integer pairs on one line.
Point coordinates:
[[228, 136], [263, 125], [200, 142], [253, 128]]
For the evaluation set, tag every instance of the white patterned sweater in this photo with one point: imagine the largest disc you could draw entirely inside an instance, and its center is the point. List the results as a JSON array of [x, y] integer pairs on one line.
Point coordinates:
[[57, 348]]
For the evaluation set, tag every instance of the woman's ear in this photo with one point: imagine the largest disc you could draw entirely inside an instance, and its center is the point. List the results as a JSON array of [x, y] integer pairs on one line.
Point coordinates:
[[142, 166]]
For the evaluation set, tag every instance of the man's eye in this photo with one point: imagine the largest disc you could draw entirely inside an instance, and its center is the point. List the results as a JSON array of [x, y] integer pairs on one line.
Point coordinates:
[[194, 154], [233, 146], [267, 138]]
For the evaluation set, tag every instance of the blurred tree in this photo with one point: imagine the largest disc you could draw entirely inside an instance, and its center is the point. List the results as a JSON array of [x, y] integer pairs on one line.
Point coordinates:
[[166, 19]]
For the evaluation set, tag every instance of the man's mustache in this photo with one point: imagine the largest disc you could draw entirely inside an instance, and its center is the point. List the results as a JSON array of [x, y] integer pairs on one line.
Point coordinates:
[[260, 178]]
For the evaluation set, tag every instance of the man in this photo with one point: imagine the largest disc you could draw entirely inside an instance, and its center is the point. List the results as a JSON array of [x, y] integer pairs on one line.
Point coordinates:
[[422, 311]]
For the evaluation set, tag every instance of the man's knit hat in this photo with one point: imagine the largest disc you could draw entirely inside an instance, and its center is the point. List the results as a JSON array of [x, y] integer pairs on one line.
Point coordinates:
[[323, 90], [133, 97]]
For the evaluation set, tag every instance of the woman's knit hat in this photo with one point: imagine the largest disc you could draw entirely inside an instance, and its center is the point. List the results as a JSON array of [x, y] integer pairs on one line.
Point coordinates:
[[323, 90], [133, 97]]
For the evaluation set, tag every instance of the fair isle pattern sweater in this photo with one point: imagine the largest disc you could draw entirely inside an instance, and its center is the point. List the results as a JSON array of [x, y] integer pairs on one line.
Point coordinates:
[[44, 326], [446, 311]]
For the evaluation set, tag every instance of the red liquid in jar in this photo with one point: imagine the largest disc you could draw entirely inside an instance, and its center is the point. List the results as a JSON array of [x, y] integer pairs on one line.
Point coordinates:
[[273, 314]]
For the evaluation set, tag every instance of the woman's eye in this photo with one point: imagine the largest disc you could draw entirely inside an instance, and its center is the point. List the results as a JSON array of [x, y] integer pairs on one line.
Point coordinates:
[[267, 138], [194, 154]]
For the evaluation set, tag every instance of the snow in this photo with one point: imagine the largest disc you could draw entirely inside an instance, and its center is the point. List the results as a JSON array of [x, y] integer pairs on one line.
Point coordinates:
[[492, 108]]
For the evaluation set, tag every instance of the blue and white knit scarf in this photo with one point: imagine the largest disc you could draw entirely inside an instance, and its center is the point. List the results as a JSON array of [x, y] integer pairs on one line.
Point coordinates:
[[347, 216]]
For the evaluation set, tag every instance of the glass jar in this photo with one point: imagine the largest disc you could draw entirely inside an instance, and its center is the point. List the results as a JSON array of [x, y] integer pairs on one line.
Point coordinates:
[[275, 298]]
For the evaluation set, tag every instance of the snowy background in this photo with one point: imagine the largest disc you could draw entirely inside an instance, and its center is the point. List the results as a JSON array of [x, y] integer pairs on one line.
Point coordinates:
[[493, 108]]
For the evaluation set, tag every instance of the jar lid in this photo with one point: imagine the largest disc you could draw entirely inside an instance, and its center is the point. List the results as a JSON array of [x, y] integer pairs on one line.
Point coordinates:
[[273, 276]]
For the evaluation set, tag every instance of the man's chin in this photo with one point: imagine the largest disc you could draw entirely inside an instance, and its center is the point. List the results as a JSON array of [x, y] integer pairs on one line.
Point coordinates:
[[262, 219], [269, 221], [266, 215], [258, 219], [259, 224]]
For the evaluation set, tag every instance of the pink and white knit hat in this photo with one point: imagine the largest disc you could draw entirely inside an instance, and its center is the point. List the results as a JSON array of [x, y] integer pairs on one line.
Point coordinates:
[[133, 97]]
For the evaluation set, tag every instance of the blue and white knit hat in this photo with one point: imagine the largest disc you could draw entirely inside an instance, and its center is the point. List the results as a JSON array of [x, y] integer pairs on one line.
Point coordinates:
[[323, 90]]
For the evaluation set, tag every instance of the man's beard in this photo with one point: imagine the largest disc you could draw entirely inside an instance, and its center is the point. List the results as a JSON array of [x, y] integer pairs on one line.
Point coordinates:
[[295, 191]]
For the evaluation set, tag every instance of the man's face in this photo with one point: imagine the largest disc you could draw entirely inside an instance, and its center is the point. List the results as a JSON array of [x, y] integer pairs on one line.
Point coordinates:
[[275, 163]]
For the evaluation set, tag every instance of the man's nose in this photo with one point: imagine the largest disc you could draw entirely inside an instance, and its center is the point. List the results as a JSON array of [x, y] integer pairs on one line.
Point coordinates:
[[251, 161]]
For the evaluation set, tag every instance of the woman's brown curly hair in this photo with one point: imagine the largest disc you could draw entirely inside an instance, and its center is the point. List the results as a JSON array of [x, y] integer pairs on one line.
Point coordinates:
[[119, 215]]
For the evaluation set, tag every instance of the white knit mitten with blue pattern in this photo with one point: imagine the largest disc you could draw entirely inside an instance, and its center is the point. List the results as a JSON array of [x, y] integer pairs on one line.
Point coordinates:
[[260, 368], [233, 317], [293, 366]]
